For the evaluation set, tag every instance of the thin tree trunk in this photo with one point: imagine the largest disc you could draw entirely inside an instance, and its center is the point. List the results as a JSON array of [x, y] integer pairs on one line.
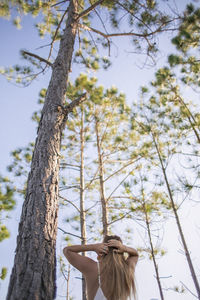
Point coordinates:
[[101, 179], [82, 199], [152, 252], [190, 117], [68, 277], [34, 271], [187, 253]]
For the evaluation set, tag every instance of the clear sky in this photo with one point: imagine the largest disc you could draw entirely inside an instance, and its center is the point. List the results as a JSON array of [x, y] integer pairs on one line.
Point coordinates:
[[17, 130]]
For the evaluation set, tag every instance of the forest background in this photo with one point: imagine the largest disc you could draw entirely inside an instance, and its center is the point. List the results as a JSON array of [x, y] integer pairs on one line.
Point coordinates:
[[128, 74]]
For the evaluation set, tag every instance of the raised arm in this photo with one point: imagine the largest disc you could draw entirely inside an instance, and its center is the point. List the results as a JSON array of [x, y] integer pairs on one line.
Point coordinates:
[[133, 254], [82, 263]]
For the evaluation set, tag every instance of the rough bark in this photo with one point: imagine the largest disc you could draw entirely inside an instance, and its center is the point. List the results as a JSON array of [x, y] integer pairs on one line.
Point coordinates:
[[82, 199], [187, 253], [34, 272], [101, 179]]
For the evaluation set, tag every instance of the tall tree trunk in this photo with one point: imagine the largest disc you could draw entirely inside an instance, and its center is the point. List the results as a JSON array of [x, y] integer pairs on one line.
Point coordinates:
[[82, 199], [152, 252], [187, 253], [101, 179], [34, 271]]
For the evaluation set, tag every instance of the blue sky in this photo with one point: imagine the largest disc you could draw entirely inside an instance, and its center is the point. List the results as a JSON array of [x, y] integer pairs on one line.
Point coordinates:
[[17, 130]]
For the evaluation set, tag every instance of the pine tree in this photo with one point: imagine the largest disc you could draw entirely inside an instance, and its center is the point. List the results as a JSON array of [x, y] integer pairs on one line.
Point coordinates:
[[33, 274], [155, 123]]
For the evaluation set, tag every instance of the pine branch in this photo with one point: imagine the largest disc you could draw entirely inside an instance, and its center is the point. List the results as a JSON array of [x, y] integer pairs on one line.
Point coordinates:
[[70, 233], [119, 185], [56, 32], [69, 202], [38, 57], [123, 167], [89, 9], [108, 35], [128, 213], [75, 103], [188, 290], [59, 3]]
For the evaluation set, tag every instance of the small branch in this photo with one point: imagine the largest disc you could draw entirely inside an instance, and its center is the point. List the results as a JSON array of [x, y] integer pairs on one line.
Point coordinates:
[[38, 57], [69, 187], [70, 233], [131, 13], [118, 185], [69, 202], [59, 3], [123, 167], [94, 178], [188, 290], [75, 102], [126, 197], [164, 277], [71, 165], [89, 9], [56, 32], [90, 207], [108, 35], [102, 22], [119, 219]]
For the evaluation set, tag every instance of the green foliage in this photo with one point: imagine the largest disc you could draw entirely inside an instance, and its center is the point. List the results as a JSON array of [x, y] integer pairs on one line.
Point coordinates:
[[3, 273], [21, 160], [17, 22], [6, 195], [4, 233], [108, 4], [187, 42], [174, 60], [87, 54], [145, 20], [4, 9], [7, 203], [24, 7], [160, 119], [188, 36], [178, 289], [168, 125], [20, 74]]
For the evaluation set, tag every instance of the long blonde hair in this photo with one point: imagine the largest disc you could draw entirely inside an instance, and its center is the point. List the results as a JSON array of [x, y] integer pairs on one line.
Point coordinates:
[[117, 275]]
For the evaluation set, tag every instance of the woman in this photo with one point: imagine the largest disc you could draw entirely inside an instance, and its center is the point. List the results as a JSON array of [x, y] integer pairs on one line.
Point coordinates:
[[112, 277]]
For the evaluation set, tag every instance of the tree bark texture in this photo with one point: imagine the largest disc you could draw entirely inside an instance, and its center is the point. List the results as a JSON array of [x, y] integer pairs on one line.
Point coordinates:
[[34, 271], [101, 179]]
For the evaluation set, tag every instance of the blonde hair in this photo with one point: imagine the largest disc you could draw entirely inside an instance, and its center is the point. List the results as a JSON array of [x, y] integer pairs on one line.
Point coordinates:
[[117, 274]]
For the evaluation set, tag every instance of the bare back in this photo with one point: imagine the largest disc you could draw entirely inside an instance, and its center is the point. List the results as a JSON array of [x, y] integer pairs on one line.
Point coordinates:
[[89, 268], [92, 283]]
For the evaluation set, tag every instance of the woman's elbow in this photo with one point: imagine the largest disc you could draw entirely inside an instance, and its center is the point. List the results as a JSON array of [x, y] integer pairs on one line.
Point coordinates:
[[65, 251]]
